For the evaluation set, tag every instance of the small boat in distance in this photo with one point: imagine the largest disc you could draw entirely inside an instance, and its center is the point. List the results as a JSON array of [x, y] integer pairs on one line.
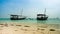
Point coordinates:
[[18, 17], [42, 16]]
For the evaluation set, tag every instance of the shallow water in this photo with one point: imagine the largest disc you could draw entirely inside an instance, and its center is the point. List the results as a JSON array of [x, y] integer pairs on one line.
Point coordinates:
[[52, 22], [49, 21]]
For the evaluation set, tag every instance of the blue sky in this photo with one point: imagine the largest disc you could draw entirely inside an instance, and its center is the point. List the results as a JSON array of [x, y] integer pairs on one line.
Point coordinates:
[[30, 7]]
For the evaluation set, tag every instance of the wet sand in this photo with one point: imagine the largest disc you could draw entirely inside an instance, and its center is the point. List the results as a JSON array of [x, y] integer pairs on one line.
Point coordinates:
[[21, 28]]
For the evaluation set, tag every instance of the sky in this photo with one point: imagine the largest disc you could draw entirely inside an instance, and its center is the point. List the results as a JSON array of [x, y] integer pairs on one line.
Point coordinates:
[[30, 8]]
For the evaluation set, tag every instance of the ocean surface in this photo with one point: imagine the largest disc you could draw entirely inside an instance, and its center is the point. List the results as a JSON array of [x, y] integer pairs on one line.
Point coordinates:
[[48, 21]]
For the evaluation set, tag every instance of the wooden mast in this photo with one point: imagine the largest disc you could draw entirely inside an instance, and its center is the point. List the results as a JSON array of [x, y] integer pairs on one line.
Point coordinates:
[[21, 11], [45, 11]]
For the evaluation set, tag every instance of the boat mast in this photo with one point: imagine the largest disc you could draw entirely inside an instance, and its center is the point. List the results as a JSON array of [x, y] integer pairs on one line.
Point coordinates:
[[21, 12], [45, 11]]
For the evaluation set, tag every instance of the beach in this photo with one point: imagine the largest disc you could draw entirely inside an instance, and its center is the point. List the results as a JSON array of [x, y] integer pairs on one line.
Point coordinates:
[[29, 16], [23, 28]]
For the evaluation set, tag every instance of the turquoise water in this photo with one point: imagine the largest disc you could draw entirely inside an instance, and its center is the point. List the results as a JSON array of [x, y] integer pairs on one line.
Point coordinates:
[[49, 21]]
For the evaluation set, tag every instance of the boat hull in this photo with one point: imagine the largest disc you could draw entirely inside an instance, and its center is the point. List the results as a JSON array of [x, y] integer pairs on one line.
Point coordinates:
[[42, 18], [17, 18]]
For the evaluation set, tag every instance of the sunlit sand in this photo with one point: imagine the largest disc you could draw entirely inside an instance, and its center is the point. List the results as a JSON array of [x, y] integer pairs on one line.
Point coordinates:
[[15, 28]]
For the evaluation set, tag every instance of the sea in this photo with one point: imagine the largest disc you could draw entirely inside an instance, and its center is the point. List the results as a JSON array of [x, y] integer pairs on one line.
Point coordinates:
[[31, 20], [55, 23]]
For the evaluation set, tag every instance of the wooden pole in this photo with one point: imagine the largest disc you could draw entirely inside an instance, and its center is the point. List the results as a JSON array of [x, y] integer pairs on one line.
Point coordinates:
[[45, 11], [21, 11]]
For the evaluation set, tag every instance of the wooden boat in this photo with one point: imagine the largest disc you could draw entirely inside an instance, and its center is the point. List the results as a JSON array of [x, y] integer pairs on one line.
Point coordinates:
[[42, 16], [17, 17]]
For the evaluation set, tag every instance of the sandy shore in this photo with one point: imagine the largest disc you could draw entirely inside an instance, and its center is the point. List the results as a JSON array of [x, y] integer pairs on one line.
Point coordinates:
[[28, 29]]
